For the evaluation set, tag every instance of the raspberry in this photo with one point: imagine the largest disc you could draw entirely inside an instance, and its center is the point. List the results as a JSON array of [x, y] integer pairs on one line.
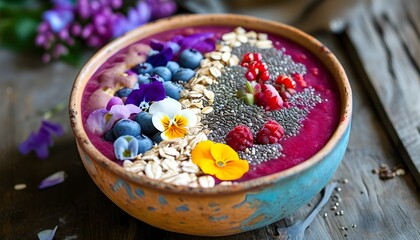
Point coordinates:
[[240, 138], [270, 133], [267, 97], [285, 86]]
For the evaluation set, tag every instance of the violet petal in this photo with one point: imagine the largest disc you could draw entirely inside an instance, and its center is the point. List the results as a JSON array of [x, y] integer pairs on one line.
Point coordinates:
[[116, 113], [96, 121], [114, 101], [42, 151], [136, 96], [41, 140], [26, 146], [52, 180], [154, 92], [37, 142], [161, 58], [52, 128], [133, 109], [47, 234], [203, 42], [146, 93]]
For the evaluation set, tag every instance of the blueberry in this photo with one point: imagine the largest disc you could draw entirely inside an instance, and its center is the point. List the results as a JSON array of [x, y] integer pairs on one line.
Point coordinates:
[[110, 136], [143, 78], [173, 90], [190, 58], [156, 78], [143, 68], [144, 119], [157, 138], [127, 127], [183, 74], [144, 144], [173, 66], [123, 92], [163, 72]]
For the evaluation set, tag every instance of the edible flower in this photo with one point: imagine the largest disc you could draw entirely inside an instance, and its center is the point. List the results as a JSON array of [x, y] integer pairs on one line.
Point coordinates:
[[146, 94], [169, 118], [220, 160], [101, 120], [41, 140], [203, 42], [52, 180], [126, 147]]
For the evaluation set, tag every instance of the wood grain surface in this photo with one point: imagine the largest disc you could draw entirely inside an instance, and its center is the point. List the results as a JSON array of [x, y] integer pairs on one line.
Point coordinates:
[[385, 37], [372, 208]]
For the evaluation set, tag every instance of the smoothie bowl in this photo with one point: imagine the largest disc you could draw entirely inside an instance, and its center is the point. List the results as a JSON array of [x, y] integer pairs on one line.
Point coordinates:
[[211, 125]]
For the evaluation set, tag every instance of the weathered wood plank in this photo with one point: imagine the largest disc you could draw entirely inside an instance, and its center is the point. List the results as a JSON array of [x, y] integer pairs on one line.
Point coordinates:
[[392, 76]]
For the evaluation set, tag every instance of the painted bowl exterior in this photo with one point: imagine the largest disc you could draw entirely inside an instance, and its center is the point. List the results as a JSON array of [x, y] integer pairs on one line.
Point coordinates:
[[222, 210]]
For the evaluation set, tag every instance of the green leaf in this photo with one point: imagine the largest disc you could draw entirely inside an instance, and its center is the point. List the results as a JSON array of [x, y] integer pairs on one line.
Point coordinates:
[[18, 34]]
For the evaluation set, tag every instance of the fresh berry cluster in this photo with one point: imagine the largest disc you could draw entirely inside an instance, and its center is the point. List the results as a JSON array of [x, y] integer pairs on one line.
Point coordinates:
[[264, 93], [241, 138], [159, 77], [169, 72], [257, 69]]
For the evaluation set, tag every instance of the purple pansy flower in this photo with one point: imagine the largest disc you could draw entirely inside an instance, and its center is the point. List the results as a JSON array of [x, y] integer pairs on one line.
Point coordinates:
[[203, 42], [146, 94], [161, 58], [165, 51], [40, 141], [102, 119]]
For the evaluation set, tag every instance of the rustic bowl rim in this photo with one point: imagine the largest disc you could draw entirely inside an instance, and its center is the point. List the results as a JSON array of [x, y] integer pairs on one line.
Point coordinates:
[[189, 20]]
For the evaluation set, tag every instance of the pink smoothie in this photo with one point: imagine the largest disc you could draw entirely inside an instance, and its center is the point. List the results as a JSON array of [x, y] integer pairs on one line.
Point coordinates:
[[317, 128]]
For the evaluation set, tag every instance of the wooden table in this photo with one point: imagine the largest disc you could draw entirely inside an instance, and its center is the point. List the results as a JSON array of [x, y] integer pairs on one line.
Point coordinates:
[[380, 52]]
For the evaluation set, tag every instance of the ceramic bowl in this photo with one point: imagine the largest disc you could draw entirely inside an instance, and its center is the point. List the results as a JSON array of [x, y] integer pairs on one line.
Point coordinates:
[[222, 210]]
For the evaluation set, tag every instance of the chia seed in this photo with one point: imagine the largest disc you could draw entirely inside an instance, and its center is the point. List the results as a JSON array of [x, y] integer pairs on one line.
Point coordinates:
[[229, 111]]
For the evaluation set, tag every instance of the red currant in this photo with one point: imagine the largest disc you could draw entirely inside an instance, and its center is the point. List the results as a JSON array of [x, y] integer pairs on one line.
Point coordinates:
[[265, 76], [250, 75]]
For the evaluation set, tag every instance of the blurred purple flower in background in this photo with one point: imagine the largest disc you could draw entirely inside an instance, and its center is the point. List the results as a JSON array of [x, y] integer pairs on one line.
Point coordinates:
[[41, 140], [72, 25], [136, 16], [161, 8]]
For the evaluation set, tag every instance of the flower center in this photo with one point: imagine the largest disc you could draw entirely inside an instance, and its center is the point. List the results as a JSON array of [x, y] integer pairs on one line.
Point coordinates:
[[107, 117], [175, 128], [144, 105], [220, 163], [127, 153]]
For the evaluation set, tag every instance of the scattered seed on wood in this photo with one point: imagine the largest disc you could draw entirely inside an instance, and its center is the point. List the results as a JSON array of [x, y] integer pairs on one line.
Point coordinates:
[[20, 186]]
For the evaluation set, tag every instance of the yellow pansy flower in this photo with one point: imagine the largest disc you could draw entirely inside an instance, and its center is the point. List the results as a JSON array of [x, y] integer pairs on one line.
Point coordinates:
[[220, 160]]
